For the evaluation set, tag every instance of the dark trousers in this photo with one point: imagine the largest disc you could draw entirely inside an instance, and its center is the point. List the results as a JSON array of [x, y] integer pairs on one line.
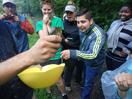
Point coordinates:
[[58, 61], [113, 61], [69, 68], [15, 89]]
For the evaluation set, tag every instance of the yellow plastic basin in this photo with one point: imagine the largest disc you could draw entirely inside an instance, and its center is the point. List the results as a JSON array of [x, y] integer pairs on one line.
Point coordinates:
[[37, 77]]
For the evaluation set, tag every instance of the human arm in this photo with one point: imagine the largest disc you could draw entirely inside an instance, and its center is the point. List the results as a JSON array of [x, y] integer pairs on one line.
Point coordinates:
[[27, 26], [124, 82], [45, 48]]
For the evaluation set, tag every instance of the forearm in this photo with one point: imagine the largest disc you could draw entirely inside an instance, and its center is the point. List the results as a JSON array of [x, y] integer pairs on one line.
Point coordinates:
[[14, 66]]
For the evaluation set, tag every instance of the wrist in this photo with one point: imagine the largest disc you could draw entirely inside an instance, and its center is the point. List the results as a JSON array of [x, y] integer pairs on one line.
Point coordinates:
[[26, 60]]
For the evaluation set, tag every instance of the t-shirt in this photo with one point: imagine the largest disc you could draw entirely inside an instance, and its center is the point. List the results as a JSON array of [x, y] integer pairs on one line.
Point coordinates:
[[55, 22]]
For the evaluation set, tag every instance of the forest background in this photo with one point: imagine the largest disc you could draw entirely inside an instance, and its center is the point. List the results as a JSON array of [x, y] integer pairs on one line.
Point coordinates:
[[104, 11]]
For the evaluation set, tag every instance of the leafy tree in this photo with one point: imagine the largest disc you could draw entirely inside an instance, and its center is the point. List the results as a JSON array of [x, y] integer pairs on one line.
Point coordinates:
[[104, 11]]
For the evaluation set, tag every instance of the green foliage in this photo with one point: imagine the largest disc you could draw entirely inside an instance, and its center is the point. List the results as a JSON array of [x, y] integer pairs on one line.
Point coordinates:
[[104, 11], [59, 7], [32, 39]]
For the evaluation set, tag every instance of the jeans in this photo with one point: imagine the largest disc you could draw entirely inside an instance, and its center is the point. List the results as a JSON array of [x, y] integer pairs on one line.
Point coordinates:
[[89, 74]]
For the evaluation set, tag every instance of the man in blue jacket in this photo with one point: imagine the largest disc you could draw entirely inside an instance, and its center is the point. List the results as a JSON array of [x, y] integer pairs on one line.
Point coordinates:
[[91, 50]]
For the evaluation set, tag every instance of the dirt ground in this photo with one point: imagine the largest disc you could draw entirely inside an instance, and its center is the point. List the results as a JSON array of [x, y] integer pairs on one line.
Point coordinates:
[[76, 90], [96, 92]]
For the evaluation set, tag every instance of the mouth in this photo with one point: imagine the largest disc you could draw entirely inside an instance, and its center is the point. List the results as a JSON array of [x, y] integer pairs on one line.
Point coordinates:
[[82, 29]]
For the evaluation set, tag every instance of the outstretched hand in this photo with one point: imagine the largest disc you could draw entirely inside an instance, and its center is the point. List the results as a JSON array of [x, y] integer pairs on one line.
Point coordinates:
[[65, 54]]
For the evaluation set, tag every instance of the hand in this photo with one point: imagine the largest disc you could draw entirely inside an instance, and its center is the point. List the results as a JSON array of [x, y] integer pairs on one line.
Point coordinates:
[[65, 54], [45, 48], [3, 16], [122, 54], [124, 81], [66, 40], [46, 19], [16, 18]]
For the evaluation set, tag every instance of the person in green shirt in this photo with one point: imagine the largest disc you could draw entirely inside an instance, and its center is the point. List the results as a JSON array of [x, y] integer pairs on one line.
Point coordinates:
[[52, 25]]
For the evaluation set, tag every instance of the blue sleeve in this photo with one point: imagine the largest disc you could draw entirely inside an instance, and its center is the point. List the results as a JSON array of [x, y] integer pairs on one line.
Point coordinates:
[[94, 47]]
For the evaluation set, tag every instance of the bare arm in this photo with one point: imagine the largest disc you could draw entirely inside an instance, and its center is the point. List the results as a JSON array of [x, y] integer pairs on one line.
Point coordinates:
[[44, 49], [11, 67]]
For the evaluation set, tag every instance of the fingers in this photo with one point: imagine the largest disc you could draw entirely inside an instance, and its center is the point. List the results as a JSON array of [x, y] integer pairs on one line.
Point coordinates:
[[44, 32], [45, 18], [51, 47], [65, 54], [122, 81], [53, 38]]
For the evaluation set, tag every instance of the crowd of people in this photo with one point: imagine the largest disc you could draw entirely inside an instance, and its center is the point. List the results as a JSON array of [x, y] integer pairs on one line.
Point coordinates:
[[75, 40]]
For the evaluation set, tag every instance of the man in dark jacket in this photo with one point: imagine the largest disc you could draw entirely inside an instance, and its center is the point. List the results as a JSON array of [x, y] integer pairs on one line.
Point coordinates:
[[71, 41]]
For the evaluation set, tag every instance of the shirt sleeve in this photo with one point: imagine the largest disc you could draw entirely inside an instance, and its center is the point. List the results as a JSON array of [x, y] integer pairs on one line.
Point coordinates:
[[39, 26], [93, 49]]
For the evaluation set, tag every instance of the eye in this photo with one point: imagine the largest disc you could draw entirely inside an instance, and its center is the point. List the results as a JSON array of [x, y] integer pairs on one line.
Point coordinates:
[[49, 9], [83, 21]]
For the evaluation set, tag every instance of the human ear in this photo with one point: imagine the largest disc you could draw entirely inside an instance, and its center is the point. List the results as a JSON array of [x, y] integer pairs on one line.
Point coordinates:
[[91, 21]]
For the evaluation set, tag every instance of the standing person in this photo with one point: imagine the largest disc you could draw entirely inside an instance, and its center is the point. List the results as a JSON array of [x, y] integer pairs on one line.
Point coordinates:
[[19, 25], [91, 50], [118, 36], [11, 67], [14, 88], [71, 40], [53, 25], [18, 30]]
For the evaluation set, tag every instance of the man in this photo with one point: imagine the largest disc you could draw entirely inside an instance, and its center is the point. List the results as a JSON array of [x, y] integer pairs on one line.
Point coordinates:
[[71, 41], [19, 25], [91, 50]]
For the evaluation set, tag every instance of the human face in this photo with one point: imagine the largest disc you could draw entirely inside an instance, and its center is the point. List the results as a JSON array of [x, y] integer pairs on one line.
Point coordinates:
[[47, 9], [83, 23], [125, 13], [70, 15], [9, 9]]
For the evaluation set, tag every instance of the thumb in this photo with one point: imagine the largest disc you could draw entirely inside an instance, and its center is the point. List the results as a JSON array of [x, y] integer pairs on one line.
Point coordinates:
[[43, 32]]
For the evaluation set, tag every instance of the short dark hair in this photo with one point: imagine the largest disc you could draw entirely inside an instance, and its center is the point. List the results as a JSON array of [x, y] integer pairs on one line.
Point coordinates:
[[86, 12], [128, 5]]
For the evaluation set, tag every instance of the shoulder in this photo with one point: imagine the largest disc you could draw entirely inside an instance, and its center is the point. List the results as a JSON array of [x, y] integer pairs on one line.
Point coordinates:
[[55, 18], [57, 22], [97, 30], [115, 22], [39, 22]]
